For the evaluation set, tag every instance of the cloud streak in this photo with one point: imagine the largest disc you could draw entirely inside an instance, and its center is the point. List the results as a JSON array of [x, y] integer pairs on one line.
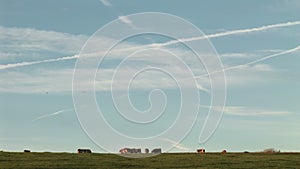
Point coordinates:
[[253, 62], [127, 21], [14, 65], [30, 41], [52, 114], [122, 18], [247, 111], [105, 2], [233, 32]]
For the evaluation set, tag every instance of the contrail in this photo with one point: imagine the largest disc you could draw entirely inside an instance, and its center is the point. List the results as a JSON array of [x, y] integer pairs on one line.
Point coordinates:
[[241, 31], [265, 58], [52, 114], [245, 111], [13, 65], [233, 32], [216, 35], [252, 62]]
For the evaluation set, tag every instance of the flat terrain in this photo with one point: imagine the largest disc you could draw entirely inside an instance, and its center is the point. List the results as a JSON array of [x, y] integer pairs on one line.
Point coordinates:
[[171, 160]]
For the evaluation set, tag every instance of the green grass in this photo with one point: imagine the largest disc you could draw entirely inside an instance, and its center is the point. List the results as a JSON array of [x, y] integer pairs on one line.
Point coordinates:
[[179, 160]]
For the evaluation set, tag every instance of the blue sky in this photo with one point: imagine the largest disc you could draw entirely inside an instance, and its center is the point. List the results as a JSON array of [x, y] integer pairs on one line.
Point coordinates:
[[262, 103]]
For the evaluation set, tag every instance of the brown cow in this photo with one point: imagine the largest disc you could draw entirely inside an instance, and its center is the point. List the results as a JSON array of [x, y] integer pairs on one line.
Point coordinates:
[[201, 151]]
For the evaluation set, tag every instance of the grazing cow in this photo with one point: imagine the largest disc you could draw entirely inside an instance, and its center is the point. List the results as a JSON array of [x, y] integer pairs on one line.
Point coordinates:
[[201, 151], [156, 151], [26, 151], [79, 151], [146, 150], [224, 152]]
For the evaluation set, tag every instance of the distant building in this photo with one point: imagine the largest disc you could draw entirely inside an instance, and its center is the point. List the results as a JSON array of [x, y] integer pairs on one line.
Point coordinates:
[[84, 151], [130, 150], [156, 151], [201, 151]]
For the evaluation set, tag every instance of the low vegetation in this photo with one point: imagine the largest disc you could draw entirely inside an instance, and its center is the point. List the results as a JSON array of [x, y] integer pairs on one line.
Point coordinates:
[[170, 160]]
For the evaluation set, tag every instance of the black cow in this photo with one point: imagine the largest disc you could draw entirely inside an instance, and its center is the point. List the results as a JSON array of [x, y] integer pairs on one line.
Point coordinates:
[[84, 151]]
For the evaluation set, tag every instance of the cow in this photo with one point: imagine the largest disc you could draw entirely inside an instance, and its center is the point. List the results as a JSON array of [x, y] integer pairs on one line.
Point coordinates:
[[26, 151], [201, 151], [79, 151], [224, 152]]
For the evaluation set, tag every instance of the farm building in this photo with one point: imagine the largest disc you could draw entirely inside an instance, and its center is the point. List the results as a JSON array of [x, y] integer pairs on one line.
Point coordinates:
[[130, 150], [156, 151]]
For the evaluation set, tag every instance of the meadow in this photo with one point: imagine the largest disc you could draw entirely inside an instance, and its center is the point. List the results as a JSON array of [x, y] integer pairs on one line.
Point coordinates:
[[165, 160]]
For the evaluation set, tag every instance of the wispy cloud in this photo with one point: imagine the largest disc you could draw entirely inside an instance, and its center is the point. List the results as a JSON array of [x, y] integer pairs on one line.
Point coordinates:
[[28, 40], [247, 111], [122, 18], [175, 144], [265, 58], [126, 20], [105, 2], [104, 84], [253, 62], [202, 88], [52, 114], [41, 81], [237, 55], [60, 80]]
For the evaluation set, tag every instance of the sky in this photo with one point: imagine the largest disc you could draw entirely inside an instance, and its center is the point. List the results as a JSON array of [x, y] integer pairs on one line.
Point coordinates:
[[258, 43]]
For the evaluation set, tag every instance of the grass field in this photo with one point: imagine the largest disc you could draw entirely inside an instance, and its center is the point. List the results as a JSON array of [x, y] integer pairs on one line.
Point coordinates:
[[171, 160]]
